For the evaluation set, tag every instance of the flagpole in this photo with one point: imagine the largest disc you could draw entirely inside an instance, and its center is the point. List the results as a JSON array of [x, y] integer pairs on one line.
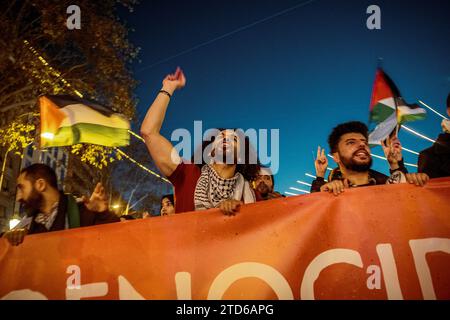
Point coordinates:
[[379, 62]]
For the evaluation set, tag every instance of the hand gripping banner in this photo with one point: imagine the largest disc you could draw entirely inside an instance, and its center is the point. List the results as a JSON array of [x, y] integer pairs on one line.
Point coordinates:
[[381, 242]]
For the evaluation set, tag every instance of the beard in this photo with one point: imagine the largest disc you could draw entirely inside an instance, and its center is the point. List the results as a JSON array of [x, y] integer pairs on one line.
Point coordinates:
[[33, 202], [263, 188], [354, 165]]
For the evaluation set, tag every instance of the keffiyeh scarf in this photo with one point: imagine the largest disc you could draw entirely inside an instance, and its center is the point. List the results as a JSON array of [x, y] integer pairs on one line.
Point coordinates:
[[211, 189]]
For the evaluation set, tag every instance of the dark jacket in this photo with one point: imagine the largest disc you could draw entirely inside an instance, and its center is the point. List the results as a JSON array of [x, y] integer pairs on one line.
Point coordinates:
[[435, 161], [86, 217], [375, 177]]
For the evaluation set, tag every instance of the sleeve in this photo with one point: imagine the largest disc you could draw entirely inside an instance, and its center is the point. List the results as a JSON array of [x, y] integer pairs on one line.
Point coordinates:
[[89, 218], [178, 176], [422, 163], [317, 183], [105, 217]]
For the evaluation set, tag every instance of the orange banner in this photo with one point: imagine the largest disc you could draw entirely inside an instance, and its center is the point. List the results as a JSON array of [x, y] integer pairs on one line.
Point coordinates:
[[381, 242]]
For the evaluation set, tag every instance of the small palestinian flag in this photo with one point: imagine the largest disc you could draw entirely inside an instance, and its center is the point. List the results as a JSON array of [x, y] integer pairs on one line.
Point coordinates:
[[386, 99], [383, 130], [68, 120]]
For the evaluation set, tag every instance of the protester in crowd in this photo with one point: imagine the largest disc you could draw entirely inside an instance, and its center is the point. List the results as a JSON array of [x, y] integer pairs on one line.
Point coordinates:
[[49, 209], [435, 161], [264, 185], [146, 215], [216, 183], [167, 205], [350, 150]]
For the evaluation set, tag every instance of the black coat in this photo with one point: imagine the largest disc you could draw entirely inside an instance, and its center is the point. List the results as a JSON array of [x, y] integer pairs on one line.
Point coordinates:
[[435, 161], [87, 217]]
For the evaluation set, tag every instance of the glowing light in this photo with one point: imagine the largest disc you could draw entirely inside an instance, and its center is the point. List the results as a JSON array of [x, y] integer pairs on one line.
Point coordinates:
[[427, 106], [48, 135], [13, 222], [291, 194], [299, 190], [410, 151], [136, 135], [417, 134], [304, 183], [141, 166]]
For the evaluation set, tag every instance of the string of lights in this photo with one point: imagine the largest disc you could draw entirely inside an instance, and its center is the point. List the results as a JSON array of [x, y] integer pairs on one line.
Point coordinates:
[[141, 166], [58, 75], [430, 108]]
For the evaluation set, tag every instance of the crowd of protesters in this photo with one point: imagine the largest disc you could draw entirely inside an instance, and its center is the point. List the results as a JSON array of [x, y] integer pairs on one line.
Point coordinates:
[[218, 182]]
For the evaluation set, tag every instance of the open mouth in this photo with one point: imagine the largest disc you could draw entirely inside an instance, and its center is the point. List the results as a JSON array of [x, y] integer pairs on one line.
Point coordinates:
[[361, 154]]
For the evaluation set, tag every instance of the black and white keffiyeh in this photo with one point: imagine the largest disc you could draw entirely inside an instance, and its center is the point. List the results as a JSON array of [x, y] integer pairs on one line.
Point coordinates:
[[211, 189], [47, 219]]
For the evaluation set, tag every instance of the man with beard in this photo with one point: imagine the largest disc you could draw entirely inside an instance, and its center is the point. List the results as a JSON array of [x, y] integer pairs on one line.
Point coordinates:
[[49, 209], [264, 185], [220, 181], [350, 149]]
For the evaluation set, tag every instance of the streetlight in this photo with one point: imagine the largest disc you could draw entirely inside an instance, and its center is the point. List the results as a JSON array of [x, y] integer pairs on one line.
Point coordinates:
[[13, 222]]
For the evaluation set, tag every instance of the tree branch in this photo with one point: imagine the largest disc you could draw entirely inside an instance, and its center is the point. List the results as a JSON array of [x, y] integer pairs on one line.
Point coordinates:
[[18, 104]]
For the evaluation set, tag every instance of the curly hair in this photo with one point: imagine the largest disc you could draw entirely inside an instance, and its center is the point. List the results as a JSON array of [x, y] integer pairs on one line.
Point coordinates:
[[343, 128], [247, 169]]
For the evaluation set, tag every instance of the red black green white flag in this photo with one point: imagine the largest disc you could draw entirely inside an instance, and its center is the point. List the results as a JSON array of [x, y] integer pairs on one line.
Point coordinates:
[[68, 120], [386, 99]]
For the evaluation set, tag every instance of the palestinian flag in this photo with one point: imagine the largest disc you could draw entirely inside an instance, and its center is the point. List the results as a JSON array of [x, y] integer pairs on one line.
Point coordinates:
[[383, 130], [68, 120], [386, 99]]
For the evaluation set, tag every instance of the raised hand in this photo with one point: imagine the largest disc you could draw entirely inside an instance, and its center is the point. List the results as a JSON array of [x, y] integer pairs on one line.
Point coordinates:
[[321, 163], [98, 202], [392, 149], [174, 81]]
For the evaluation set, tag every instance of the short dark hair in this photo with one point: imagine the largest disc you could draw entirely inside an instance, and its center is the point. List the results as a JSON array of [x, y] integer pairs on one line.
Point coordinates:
[[348, 127], [40, 171], [168, 196]]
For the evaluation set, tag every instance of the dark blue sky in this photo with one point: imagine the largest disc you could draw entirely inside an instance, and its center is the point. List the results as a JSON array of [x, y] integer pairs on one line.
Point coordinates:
[[302, 72]]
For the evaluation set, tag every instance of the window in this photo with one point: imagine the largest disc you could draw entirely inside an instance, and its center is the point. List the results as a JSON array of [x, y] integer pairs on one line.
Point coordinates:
[[47, 161]]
